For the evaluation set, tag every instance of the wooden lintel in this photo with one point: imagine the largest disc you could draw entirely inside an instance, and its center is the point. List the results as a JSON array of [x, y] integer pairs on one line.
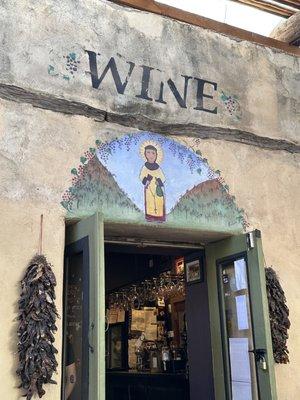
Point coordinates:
[[206, 23]]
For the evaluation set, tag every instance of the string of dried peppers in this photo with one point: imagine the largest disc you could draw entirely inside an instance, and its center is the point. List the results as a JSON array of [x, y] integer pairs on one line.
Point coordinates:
[[279, 317], [37, 318]]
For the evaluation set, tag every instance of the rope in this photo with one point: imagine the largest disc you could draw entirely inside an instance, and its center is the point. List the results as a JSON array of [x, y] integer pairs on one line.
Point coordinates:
[[41, 236]]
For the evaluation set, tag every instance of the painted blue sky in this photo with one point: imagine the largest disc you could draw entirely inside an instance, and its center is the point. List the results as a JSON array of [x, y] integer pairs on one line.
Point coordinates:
[[182, 168]]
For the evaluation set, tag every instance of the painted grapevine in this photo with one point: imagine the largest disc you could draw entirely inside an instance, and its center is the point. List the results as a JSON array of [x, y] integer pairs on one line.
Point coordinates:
[[101, 182]]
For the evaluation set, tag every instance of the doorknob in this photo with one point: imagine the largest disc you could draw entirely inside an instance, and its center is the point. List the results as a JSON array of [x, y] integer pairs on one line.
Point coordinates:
[[260, 357]]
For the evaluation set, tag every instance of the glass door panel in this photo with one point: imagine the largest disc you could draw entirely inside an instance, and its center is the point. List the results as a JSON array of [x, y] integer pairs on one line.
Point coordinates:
[[238, 326], [239, 319]]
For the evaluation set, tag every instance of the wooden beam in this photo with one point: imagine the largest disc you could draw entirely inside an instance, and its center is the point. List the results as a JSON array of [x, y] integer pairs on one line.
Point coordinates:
[[263, 5], [289, 30], [291, 3], [206, 23]]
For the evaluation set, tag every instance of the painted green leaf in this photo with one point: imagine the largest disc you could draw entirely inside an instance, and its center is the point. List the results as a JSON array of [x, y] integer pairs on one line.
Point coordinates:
[[98, 142], [198, 152], [74, 171], [50, 69], [226, 187], [92, 150], [199, 170], [218, 172], [83, 160], [64, 204], [71, 189]]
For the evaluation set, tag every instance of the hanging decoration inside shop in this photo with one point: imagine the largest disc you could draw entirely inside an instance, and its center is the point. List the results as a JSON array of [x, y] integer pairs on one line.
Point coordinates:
[[149, 178], [37, 325], [279, 317], [147, 318], [155, 290]]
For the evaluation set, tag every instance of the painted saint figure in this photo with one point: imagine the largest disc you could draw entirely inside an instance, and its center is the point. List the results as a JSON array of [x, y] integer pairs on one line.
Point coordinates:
[[153, 180]]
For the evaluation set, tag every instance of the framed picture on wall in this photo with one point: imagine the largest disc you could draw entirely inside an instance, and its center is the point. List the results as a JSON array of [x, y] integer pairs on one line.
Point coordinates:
[[194, 271]]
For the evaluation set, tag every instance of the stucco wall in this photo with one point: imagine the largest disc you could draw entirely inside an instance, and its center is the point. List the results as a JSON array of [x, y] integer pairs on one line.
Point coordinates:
[[39, 147], [37, 38]]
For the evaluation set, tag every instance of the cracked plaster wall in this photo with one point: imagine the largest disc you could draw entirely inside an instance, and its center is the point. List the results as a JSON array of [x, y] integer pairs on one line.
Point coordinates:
[[39, 147], [265, 81], [37, 150]]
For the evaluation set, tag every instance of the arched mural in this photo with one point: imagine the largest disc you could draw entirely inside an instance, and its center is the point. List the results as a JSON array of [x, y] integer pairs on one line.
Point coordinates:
[[147, 178]]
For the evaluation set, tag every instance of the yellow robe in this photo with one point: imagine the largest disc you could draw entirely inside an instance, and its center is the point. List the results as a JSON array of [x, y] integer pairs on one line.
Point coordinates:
[[154, 204]]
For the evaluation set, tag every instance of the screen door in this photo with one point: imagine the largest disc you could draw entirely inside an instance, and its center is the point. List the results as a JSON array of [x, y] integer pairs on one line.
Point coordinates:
[[84, 307], [241, 338]]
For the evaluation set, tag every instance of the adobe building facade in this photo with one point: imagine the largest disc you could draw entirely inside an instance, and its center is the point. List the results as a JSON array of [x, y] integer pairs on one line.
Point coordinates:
[[82, 79]]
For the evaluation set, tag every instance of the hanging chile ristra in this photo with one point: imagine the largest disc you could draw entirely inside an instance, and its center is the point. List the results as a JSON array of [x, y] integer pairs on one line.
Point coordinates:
[[37, 317], [279, 317]]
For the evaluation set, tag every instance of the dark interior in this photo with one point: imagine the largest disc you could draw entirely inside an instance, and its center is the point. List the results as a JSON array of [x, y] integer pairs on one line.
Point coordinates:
[[189, 376], [177, 363]]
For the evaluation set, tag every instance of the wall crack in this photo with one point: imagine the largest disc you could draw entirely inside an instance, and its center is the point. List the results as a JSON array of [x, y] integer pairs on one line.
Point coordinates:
[[139, 121]]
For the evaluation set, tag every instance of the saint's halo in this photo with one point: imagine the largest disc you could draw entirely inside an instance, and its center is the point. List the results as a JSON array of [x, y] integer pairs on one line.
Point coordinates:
[[158, 150]]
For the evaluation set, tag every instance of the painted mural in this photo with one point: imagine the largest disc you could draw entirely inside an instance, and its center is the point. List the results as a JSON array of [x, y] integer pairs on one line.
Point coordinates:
[[153, 179], [147, 178]]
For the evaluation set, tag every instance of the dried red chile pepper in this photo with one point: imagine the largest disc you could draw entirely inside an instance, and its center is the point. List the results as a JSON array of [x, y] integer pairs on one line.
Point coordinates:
[[279, 317], [37, 317]]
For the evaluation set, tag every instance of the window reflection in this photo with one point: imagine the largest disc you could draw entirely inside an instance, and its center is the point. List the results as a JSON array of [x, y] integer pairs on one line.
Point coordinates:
[[239, 330]]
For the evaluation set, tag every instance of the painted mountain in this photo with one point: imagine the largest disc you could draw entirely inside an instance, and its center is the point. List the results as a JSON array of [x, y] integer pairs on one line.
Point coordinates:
[[95, 189], [207, 205], [108, 181]]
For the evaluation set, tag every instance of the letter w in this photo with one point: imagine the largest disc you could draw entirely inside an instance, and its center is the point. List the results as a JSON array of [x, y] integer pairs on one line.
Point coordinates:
[[114, 71]]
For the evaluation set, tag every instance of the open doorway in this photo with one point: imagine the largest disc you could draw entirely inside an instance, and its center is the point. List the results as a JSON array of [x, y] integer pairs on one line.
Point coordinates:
[[141, 326], [157, 324], [150, 337]]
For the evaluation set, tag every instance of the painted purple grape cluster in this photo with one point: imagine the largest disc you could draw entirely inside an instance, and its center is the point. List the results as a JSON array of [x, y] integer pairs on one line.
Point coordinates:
[[232, 105], [72, 64], [103, 152], [127, 142], [191, 162]]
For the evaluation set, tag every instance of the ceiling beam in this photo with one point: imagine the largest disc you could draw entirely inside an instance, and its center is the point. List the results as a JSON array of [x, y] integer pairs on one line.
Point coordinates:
[[282, 8], [289, 30]]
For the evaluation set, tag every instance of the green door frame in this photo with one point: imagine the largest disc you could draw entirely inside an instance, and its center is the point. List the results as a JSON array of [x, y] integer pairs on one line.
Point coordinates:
[[215, 252], [93, 228]]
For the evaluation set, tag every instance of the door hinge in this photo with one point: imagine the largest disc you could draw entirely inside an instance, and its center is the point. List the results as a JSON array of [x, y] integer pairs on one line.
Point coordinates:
[[91, 348], [250, 240]]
